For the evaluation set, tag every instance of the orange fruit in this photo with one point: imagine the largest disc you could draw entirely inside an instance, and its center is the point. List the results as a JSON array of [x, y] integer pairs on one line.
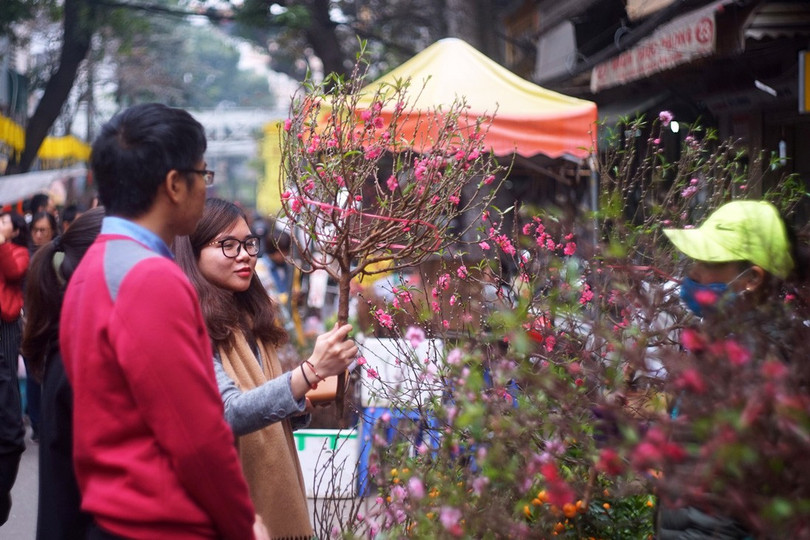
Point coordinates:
[[569, 510]]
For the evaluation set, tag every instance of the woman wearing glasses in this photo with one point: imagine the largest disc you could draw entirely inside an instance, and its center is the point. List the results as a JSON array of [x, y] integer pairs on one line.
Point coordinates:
[[260, 401]]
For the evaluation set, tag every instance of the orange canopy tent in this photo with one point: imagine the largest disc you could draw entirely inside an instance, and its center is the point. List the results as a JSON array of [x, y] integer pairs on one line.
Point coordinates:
[[528, 119]]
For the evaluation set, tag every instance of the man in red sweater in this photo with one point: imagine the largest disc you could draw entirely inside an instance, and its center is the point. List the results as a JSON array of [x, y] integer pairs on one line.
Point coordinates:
[[153, 455]]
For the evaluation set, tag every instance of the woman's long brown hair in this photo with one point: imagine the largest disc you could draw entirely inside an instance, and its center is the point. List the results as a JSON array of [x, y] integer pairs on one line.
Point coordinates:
[[45, 287], [251, 312]]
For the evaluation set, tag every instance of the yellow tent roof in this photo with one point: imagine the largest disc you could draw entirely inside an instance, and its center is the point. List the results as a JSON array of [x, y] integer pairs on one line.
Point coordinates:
[[529, 119]]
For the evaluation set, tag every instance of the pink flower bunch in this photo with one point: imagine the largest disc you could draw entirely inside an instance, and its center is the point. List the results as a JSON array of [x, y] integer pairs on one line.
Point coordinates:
[[586, 295], [502, 241], [415, 336], [384, 318], [570, 248]]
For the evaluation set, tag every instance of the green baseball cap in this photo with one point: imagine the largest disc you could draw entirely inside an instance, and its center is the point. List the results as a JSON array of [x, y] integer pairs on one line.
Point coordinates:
[[749, 231]]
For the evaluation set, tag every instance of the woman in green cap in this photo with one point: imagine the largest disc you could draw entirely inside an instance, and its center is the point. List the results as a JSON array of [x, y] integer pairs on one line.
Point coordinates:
[[745, 280]]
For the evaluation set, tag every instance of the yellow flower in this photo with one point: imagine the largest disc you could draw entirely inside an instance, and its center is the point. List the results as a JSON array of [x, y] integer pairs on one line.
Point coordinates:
[[394, 472]]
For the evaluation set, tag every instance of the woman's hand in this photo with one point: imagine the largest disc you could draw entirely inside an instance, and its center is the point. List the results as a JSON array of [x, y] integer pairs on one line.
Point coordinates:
[[332, 355], [333, 352]]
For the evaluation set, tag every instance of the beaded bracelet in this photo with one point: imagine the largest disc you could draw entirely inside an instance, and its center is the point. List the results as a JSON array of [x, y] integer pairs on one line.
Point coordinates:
[[306, 379], [307, 362]]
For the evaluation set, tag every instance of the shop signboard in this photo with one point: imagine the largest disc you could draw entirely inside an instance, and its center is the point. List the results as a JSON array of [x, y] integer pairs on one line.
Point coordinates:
[[680, 41]]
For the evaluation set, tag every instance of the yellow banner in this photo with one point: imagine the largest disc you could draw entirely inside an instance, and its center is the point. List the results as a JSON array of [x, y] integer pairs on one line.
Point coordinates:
[[67, 147], [268, 195]]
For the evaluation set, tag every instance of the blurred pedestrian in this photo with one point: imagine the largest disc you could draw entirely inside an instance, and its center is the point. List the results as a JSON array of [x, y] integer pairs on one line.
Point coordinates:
[[153, 455], [69, 215], [59, 515], [41, 202], [14, 258], [272, 268], [43, 230], [261, 402]]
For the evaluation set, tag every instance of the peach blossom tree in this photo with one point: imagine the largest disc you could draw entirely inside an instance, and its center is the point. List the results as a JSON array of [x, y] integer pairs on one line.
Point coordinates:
[[572, 395]]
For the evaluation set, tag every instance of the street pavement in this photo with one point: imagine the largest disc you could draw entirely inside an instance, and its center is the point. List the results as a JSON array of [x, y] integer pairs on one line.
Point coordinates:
[[22, 523]]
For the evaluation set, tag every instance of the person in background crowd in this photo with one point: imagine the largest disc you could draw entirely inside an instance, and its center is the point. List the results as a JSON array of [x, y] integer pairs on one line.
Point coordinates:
[[272, 268], [43, 230], [42, 202], [59, 515], [69, 214], [743, 259], [260, 400], [14, 258], [153, 455]]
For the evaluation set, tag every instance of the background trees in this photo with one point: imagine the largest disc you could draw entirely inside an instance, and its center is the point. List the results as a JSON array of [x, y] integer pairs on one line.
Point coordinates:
[[296, 30], [136, 53]]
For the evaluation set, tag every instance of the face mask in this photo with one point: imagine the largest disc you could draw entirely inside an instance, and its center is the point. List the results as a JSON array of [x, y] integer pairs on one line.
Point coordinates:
[[701, 296]]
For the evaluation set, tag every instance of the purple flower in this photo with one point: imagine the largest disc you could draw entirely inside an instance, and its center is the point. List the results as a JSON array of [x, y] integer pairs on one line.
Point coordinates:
[[665, 117]]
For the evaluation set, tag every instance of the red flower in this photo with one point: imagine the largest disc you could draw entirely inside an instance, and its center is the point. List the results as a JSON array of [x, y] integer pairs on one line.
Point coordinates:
[[647, 455], [691, 380], [674, 452], [773, 369], [610, 462], [692, 340], [736, 353]]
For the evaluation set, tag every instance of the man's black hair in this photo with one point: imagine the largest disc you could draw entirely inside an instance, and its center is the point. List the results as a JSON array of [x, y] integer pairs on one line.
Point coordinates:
[[135, 151]]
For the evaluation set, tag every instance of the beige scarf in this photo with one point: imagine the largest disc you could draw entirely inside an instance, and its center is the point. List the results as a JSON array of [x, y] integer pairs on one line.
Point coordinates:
[[269, 459]]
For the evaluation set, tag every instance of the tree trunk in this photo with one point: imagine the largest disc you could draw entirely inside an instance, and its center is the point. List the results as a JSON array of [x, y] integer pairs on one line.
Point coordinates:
[[321, 35], [79, 26]]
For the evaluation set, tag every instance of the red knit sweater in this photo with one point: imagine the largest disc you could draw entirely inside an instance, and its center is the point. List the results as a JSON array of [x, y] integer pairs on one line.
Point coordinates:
[[153, 455], [13, 265]]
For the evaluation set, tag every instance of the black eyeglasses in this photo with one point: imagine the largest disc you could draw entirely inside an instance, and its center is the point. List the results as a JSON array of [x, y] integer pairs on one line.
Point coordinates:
[[207, 175], [231, 247]]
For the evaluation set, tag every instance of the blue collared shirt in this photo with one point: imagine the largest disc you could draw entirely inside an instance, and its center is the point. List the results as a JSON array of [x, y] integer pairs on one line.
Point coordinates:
[[117, 225]]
